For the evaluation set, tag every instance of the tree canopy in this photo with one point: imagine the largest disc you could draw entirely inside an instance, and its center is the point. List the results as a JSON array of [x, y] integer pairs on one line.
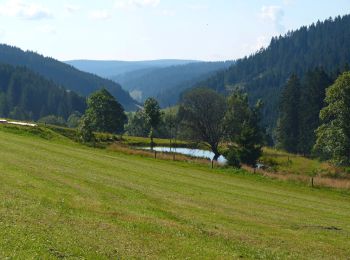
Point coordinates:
[[202, 111], [333, 136], [104, 113], [300, 105], [264, 74], [288, 123], [153, 115]]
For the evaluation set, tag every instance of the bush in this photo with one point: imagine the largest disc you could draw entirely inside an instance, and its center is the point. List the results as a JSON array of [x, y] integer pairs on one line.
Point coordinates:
[[74, 120], [233, 158], [269, 163], [85, 133]]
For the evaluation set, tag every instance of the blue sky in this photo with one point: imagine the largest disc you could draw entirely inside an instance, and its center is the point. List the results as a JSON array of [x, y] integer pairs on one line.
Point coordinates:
[[155, 29]]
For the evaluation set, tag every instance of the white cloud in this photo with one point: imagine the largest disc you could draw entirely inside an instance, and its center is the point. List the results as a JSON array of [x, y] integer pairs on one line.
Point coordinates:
[[274, 14], [136, 3], [100, 15], [198, 7], [24, 10], [47, 29], [72, 8]]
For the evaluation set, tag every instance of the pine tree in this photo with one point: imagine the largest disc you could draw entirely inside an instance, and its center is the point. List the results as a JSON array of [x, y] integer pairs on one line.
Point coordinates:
[[288, 123], [313, 93]]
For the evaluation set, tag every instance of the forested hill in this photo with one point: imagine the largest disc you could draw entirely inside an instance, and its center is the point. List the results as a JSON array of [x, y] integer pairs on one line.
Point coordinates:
[[26, 95], [263, 75], [166, 84], [112, 68], [63, 74]]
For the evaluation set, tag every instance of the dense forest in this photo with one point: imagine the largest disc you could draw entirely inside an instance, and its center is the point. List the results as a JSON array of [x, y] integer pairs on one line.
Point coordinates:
[[263, 74], [166, 84], [299, 111], [63, 74], [26, 95]]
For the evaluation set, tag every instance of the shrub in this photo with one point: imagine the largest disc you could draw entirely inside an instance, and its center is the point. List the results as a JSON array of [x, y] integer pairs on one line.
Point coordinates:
[[85, 133], [233, 158]]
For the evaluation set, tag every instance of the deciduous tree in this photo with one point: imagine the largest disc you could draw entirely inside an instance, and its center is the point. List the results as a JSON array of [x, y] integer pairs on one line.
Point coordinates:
[[105, 113], [333, 136]]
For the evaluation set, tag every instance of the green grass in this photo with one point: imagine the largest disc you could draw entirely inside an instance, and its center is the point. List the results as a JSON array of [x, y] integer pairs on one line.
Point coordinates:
[[63, 200], [104, 139], [294, 164]]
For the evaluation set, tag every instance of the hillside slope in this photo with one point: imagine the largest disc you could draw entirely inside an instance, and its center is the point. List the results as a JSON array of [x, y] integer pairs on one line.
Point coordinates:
[[63, 74], [166, 84], [62, 200], [26, 95], [110, 68], [263, 74]]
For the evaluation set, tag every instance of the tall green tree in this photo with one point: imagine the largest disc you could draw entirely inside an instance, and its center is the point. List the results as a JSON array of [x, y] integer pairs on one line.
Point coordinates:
[[312, 97], [105, 113], [202, 111], [153, 115], [242, 124], [288, 123], [333, 136]]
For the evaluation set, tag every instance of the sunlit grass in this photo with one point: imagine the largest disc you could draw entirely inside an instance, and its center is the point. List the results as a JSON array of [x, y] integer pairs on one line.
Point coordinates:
[[60, 199]]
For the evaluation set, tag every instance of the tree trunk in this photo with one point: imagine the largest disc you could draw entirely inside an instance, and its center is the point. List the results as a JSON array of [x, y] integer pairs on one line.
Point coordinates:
[[152, 143], [216, 153], [151, 136]]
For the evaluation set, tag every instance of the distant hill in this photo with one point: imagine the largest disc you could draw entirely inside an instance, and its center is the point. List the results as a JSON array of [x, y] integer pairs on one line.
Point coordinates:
[[63, 74], [263, 74], [26, 95], [109, 69], [167, 83]]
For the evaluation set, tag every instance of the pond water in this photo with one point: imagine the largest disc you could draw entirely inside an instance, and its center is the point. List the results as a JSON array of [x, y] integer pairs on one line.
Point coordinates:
[[191, 152]]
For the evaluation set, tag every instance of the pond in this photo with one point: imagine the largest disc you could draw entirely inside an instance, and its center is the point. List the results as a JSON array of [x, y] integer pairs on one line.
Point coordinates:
[[187, 151]]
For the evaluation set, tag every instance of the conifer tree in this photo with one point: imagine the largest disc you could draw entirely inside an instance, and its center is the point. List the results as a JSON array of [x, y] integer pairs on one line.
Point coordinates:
[[313, 92], [288, 123]]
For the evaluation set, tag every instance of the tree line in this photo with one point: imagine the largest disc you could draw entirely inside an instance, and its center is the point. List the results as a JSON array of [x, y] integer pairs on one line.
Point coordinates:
[[263, 74], [24, 95], [314, 116], [203, 116], [313, 120]]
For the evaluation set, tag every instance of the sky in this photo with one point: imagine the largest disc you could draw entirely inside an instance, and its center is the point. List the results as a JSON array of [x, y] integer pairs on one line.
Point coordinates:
[[155, 29]]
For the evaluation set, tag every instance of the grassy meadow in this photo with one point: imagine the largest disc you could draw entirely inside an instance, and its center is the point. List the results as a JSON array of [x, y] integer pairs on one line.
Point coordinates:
[[62, 200]]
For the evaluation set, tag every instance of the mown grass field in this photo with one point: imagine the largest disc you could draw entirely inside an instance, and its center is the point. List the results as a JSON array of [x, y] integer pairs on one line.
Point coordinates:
[[63, 200]]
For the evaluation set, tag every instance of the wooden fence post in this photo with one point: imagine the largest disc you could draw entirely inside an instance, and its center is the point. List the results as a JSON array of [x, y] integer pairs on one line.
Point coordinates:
[[155, 154], [312, 182]]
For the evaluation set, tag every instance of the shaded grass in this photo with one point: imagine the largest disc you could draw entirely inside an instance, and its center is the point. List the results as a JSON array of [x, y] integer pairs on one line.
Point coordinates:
[[298, 165], [63, 200], [105, 139]]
